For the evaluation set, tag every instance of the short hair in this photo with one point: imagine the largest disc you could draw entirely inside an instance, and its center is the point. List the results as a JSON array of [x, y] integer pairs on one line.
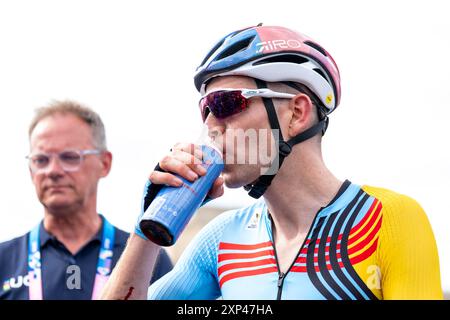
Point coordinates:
[[89, 116]]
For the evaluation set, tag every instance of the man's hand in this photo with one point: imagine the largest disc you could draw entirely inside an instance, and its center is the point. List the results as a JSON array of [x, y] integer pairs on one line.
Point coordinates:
[[131, 276], [184, 160]]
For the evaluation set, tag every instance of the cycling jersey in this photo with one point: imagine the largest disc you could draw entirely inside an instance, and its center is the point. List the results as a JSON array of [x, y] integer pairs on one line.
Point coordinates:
[[367, 243]]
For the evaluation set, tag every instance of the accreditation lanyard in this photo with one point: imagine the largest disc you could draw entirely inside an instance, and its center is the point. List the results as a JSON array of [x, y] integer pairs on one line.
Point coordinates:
[[103, 269]]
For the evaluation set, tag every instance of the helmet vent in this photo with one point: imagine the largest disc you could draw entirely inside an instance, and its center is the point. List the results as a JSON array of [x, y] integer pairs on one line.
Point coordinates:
[[320, 72], [291, 58], [317, 47], [236, 47], [210, 53]]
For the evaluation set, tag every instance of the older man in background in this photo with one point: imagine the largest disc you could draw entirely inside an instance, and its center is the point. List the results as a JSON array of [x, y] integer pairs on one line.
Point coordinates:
[[71, 253]]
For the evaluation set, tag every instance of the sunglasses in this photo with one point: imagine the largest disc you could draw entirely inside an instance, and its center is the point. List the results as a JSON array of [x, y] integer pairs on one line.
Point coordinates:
[[227, 102]]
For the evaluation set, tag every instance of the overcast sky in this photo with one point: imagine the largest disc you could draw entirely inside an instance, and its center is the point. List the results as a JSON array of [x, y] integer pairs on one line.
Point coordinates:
[[133, 62]]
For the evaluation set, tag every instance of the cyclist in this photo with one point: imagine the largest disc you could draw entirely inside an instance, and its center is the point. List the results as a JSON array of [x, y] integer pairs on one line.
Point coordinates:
[[311, 235]]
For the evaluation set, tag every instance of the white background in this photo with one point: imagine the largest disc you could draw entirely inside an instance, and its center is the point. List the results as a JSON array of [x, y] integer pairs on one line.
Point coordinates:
[[133, 62]]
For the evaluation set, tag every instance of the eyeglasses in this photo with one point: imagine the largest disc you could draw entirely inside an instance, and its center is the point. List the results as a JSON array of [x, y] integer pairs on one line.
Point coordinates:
[[227, 102], [69, 160]]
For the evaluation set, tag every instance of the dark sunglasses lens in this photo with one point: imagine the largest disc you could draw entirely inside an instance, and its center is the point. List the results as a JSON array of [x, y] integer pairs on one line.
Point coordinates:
[[223, 104]]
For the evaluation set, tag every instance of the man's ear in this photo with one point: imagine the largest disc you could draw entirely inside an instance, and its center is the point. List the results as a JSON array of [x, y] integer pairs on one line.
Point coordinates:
[[302, 111], [106, 162]]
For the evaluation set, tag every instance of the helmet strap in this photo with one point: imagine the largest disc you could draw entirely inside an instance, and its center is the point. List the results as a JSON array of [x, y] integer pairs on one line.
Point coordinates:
[[257, 188]]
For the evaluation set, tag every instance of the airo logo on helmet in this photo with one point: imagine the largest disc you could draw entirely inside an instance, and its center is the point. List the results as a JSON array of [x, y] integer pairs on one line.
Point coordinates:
[[274, 45]]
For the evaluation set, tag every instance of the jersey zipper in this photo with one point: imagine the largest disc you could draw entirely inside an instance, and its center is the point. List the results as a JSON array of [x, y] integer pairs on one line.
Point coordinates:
[[281, 275]]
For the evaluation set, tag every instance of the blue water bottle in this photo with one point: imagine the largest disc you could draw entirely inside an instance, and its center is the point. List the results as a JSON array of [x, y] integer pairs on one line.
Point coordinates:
[[173, 207]]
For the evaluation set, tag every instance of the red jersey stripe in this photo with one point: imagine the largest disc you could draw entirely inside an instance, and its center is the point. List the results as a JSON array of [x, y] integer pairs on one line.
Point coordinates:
[[241, 274], [231, 256], [239, 265], [236, 246], [367, 240], [354, 237], [366, 254], [302, 259], [355, 228], [373, 209]]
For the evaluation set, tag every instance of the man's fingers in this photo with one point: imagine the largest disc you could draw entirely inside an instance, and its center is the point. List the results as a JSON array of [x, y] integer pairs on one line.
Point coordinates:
[[185, 160], [173, 165], [217, 189], [158, 177], [194, 163]]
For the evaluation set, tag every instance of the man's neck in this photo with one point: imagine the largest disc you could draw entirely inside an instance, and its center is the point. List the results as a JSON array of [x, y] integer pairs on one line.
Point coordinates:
[[300, 189], [73, 230]]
